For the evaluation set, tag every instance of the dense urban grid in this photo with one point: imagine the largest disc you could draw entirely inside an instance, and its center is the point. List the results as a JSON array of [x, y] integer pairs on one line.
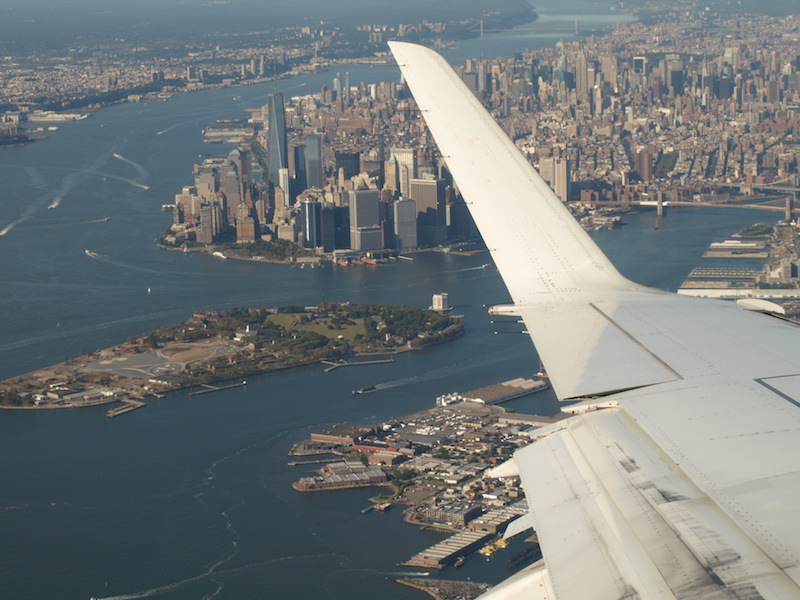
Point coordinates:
[[686, 105], [700, 107]]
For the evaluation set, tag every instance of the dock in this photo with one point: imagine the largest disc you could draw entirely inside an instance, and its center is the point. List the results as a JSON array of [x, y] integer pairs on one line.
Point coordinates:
[[128, 404], [296, 463], [382, 507], [447, 551], [336, 364], [214, 388]]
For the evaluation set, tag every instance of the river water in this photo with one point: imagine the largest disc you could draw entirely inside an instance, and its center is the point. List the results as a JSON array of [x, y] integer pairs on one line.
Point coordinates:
[[189, 498]]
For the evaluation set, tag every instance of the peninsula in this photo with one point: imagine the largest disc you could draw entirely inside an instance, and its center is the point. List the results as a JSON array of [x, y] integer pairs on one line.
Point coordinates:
[[226, 345]]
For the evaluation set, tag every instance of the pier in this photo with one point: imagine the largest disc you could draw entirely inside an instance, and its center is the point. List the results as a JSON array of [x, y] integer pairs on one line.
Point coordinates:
[[214, 388], [296, 463], [341, 363], [128, 404], [447, 551]]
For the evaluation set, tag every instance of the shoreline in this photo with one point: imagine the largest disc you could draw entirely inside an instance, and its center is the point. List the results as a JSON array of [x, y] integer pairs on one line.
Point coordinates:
[[159, 360], [365, 57]]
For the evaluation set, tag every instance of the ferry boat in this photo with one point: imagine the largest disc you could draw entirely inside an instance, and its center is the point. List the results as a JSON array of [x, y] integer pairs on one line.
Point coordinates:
[[365, 390]]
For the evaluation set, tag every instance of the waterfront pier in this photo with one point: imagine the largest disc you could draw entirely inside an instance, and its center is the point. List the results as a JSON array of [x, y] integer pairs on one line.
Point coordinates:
[[447, 551], [214, 388], [342, 363], [128, 404]]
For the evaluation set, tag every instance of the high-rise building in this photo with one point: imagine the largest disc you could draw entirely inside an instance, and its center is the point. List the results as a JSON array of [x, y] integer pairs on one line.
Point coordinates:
[[207, 181], [245, 224], [349, 162], [314, 161], [209, 226], [312, 237], [429, 195], [284, 182], [327, 227], [405, 223], [300, 178], [364, 210], [440, 302], [365, 229], [391, 178], [562, 179], [555, 171], [346, 88], [546, 166], [643, 162], [276, 137], [231, 186], [406, 159], [582, 83]]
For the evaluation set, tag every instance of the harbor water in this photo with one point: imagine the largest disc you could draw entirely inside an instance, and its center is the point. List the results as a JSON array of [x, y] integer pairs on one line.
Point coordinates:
[[190, 497]]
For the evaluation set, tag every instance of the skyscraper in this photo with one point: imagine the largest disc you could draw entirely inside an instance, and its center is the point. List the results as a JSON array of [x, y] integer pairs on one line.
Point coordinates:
[[562, 181], [555, 171], [276, 137], [312, 224], [365, 229], [643, 161], [406, 159], [314, 164], [349, 161], [405, 223], [431, 214], [300, 179]]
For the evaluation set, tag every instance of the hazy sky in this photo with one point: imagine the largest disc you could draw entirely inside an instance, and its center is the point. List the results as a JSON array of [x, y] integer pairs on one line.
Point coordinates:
[[28, 25]]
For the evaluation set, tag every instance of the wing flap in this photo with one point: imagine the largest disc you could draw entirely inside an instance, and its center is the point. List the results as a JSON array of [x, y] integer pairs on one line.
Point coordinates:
[[587, 353], [617, 518]]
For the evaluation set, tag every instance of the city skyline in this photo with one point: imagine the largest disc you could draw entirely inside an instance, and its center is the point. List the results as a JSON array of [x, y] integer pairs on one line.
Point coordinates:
[[193, 493]]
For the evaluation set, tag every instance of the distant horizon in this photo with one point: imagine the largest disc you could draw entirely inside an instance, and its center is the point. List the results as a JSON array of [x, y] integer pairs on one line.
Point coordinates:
[[32, 26]]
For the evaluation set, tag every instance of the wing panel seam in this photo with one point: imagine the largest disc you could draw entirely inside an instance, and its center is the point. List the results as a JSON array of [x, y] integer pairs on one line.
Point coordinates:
[[776, 391], [626, 333]]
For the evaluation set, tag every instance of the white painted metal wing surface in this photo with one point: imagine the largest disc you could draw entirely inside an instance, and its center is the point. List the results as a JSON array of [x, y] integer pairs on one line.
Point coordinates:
[[684, 485]]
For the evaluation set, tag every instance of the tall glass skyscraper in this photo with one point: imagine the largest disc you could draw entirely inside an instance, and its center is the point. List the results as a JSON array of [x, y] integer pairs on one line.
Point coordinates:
[[314, 164], [276, 138]]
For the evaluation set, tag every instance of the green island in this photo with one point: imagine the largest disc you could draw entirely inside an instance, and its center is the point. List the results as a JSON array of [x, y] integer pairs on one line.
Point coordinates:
[[225, 346]]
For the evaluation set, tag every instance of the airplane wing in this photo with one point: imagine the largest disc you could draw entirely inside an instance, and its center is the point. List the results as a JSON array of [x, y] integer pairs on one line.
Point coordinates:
[[677, 476]]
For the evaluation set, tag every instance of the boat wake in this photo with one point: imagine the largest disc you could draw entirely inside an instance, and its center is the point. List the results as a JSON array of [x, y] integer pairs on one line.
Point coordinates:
[[478, 268], [211, 577], [52, 199], [143, 173], [213, 573], [116, 263]]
